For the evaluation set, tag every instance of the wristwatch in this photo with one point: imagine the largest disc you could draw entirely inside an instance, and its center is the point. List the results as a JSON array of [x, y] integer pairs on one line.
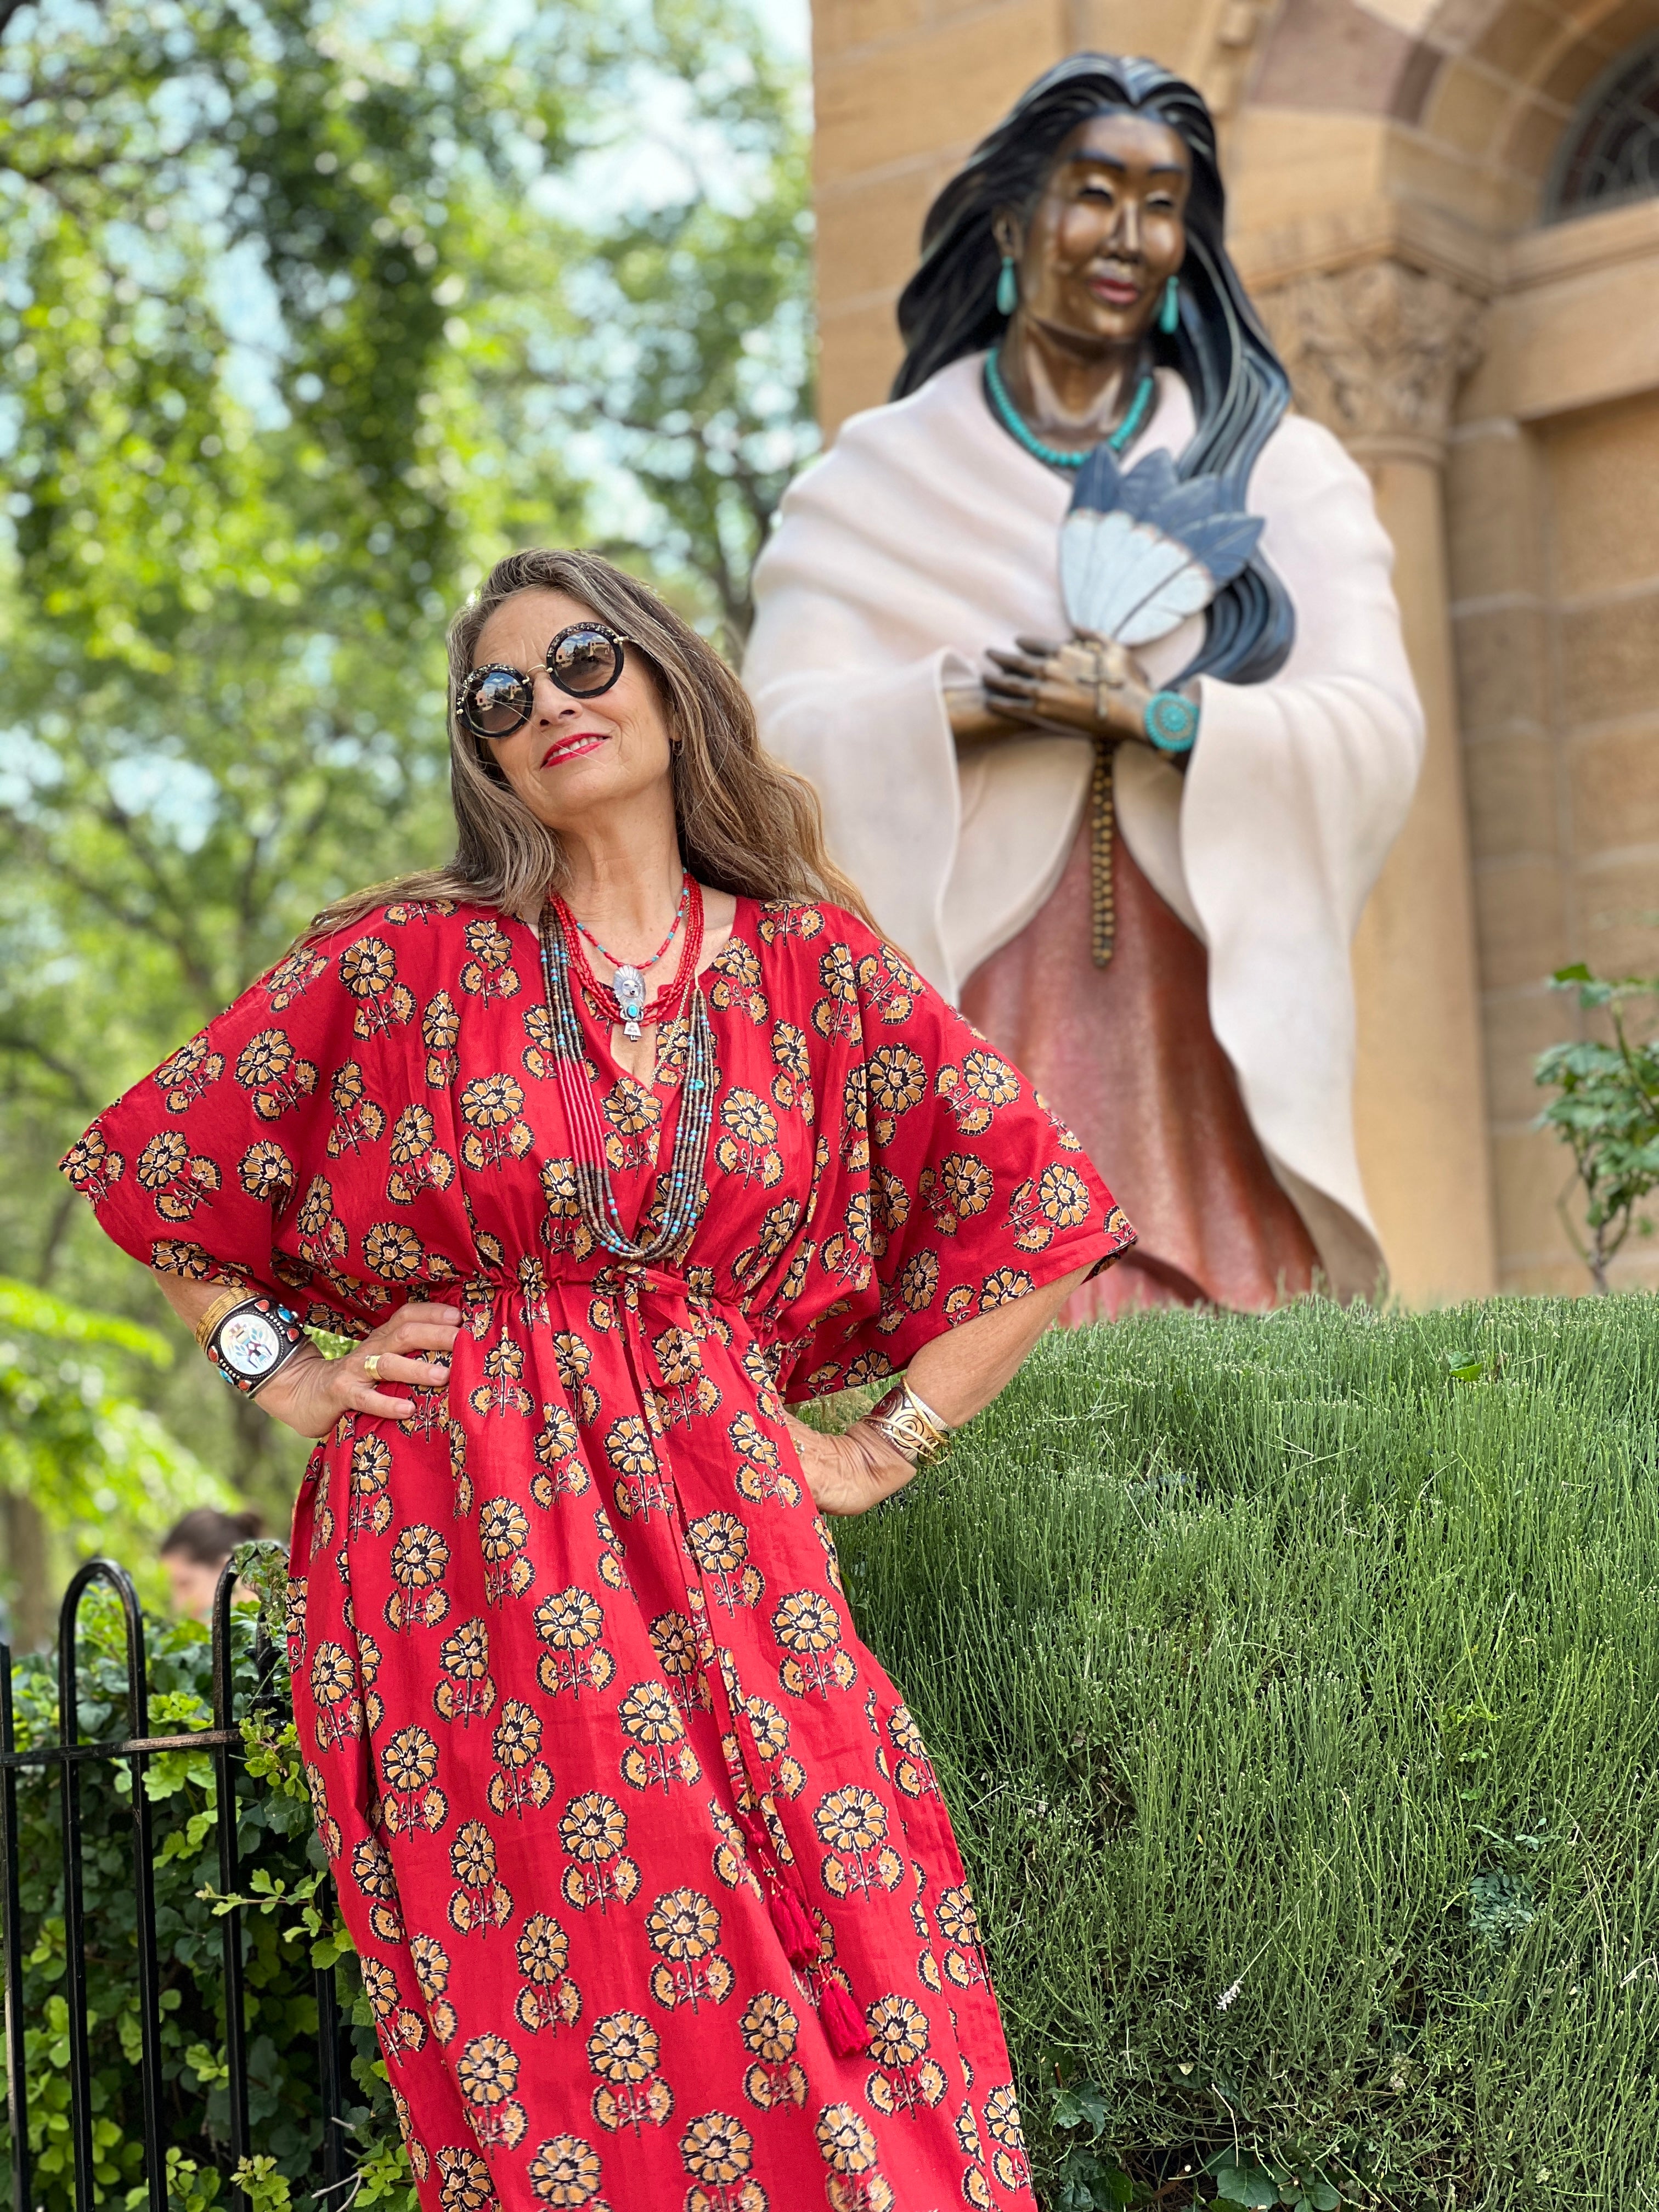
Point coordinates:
[[256, 1337]]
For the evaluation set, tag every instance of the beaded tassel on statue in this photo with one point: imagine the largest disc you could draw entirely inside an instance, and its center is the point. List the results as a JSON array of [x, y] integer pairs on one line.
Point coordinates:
[[1103, 898]]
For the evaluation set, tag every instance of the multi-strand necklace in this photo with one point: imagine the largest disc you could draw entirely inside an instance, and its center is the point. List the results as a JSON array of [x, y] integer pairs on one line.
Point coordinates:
[[627, 991], [565, 969]]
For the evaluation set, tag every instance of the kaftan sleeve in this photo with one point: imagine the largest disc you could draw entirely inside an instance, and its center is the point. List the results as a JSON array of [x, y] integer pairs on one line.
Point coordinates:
[[958, 1189], [233, 1160]]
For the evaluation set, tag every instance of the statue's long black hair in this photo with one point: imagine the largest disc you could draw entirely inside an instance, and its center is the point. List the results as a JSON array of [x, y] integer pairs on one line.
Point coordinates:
[[1238, 385]]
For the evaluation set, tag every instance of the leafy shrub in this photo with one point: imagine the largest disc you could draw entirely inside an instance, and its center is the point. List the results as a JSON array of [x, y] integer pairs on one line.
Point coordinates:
[[1295, 1684], [287, 1932], [1606, 1113]]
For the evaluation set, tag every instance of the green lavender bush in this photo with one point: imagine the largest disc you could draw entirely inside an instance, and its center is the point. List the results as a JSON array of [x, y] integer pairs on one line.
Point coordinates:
[[1295, 1684]]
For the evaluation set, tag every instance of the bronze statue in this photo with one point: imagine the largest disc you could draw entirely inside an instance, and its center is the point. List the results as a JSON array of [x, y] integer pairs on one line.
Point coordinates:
[[1089, 647]]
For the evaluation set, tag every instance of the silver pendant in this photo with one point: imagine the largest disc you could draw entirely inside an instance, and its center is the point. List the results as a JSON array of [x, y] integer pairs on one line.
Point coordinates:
[[628, 985]]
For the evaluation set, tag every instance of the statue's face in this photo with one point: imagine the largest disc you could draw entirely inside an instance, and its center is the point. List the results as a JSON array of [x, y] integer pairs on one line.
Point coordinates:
[[1108, 233]]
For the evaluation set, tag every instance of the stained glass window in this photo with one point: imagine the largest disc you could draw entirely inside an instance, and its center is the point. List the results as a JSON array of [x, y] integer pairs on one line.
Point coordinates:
[[1611, 152]]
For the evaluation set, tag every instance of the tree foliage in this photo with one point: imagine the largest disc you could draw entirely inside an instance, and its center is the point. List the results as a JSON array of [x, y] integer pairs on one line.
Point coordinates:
[[303, 321], [710, 407], [100, 1469]]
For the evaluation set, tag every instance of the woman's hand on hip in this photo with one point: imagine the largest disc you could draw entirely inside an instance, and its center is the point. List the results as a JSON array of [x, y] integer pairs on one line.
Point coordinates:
[[850, 1472], [310, 1393]]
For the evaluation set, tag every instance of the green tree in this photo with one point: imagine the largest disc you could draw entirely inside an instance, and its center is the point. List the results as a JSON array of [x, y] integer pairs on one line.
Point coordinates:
[[299, 328], [696, 346], [241, 445], [89, 1464]]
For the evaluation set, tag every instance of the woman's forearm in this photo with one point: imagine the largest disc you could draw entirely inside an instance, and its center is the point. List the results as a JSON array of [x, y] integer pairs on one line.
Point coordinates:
[[308, 1394], [959, 1373], [189, 1300], [956, 1375]]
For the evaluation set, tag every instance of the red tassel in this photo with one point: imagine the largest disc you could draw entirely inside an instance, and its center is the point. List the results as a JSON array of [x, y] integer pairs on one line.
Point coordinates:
[[799, 1938], [848, 2036]]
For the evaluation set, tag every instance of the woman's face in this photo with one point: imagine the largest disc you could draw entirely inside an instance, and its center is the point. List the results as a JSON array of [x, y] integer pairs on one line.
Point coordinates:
[[574, 757], [1108, 233]]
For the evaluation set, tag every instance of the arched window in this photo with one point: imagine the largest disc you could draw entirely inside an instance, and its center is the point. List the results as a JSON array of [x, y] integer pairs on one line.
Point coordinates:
[[1611, 151]]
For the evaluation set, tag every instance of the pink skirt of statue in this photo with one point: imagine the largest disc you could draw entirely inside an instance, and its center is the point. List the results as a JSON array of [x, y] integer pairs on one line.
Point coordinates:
[[1124, 1054]]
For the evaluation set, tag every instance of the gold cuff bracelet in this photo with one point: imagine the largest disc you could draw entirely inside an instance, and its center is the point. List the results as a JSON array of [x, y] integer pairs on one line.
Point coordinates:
[[911, 1425], [217, 1312]]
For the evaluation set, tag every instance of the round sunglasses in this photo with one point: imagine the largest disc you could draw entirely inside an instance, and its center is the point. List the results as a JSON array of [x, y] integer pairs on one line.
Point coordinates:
[[583, 660]]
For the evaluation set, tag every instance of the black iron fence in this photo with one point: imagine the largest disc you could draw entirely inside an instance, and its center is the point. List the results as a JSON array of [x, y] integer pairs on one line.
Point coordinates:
[[69, 1758]]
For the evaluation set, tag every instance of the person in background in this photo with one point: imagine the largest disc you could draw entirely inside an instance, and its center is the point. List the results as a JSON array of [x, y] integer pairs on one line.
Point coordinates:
[[194, 1552]]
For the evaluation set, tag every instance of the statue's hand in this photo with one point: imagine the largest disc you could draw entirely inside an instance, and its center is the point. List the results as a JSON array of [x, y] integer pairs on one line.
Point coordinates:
[[1087, 684], [974, 721]]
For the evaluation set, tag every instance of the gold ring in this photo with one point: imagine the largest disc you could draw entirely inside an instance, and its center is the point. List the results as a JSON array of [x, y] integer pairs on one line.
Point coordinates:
[[372, 1366]]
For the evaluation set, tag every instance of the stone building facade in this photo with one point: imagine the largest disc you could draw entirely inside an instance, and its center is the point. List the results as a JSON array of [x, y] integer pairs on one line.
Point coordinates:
[[1448, 211]]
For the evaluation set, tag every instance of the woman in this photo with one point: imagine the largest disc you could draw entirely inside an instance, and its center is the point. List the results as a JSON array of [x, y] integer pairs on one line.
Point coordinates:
[[912, 655], [655, 1897]]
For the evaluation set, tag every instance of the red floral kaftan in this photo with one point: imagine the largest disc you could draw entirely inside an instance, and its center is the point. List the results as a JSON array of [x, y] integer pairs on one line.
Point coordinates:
[[586, 1718]]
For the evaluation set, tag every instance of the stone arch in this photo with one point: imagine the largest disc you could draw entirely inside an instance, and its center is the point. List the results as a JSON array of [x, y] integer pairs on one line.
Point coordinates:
[[1475, 99], [1501, 90]]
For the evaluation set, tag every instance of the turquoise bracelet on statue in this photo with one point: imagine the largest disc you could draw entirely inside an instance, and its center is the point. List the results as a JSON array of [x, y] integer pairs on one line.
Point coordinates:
[[1170, 722]]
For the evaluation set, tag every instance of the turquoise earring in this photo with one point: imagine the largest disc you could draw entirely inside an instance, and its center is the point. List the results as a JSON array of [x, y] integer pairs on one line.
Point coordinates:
[[1168, 313], [1007, 287]]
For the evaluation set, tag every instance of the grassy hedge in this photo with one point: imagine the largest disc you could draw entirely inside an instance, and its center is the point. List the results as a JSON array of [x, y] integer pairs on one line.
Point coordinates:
[[1295, 1682]]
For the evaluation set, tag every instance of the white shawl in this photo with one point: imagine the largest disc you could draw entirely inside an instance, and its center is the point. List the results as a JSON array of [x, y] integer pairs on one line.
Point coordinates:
[[925, 536]]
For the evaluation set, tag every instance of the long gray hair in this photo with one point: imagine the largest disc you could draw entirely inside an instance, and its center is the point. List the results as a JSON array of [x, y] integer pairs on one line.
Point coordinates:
[[746, 823]]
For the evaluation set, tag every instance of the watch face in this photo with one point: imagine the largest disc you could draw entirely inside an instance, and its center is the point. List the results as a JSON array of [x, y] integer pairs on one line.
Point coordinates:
[[249, 1344]]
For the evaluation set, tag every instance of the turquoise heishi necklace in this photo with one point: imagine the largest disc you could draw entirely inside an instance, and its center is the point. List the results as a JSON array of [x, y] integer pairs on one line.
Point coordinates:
[[1016, 427]]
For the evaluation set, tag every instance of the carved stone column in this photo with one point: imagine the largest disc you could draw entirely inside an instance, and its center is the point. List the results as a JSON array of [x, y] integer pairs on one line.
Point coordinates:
[[1375, 352]]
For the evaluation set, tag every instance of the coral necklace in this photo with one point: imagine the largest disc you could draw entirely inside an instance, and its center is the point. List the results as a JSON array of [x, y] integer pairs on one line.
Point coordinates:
[[622, 1000]]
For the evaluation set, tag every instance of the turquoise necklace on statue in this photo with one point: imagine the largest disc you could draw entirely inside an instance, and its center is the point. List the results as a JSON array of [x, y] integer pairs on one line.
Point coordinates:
[[1016, 427]]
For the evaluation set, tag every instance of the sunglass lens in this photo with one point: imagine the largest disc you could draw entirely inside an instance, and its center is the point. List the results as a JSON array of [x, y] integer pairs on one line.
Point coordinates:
[[584, 661], [497, 701]]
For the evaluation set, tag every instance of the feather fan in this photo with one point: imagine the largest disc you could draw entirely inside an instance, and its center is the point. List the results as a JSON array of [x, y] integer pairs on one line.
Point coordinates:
[[1140, 549]]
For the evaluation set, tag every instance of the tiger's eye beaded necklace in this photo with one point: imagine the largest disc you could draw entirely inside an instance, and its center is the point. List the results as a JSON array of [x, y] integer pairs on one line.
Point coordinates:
[[685, 1195]]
